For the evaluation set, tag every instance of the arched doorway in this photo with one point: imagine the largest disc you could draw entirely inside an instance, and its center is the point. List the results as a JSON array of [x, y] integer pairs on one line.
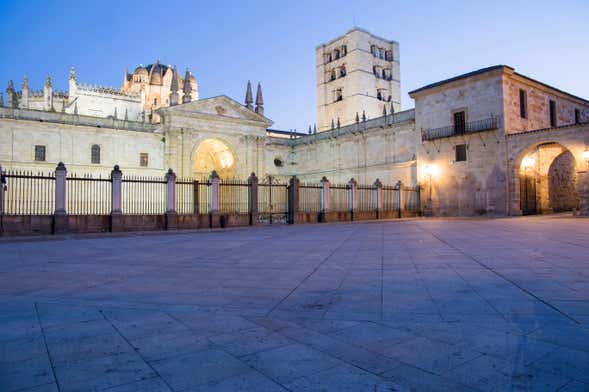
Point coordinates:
[[547, 179], [213, 154]]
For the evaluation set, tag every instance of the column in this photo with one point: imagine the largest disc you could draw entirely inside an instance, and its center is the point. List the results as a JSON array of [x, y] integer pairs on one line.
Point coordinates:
[[116, 214], [171, 218], [60, 214], [352, 197], [253, 198], [400, 199], [324, 200], [378, 198], [293, 200], [215, 218]]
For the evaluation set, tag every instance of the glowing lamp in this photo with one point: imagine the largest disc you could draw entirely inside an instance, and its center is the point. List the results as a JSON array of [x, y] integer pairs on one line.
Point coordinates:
[[528, 162], [429, 170], [586, 156]]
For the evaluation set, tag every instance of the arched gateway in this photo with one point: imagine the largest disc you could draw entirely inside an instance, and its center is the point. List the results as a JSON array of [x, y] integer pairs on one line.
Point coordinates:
[[213, 154], [548, 170]]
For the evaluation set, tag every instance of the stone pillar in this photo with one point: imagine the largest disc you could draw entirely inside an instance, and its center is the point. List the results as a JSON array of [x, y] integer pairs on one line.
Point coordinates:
[[60, 214], [215, 218], [171, 215], [324, 200], [252, 199], [293, 200], [377, 198], [352, 197], [116, 213], [583, 191], [195, 197], [400, 199]]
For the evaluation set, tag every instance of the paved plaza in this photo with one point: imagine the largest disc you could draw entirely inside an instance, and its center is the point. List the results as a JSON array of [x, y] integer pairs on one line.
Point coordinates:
[[419, 305]]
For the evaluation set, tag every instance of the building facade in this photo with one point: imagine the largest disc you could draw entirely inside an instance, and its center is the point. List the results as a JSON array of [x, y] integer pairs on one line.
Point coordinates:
[[490, 142]]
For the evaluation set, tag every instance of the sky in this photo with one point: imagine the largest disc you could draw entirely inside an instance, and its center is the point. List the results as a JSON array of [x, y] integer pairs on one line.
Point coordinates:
[[227, 43]]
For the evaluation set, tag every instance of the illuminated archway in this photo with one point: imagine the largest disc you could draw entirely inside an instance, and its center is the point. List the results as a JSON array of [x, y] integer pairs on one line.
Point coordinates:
[[213, 154]]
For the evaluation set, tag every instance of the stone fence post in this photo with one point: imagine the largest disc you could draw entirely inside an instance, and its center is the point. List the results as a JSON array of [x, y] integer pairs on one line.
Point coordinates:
[[195, 197], [215, 220], [252, 201], [377, 197], [324, 199], [400, 200], [293, 199], [352, 197], [116, 213], [60, 214], [171, 215]]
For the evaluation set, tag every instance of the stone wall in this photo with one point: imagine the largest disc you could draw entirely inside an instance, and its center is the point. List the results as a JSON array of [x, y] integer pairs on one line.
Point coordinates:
[[562, 187]]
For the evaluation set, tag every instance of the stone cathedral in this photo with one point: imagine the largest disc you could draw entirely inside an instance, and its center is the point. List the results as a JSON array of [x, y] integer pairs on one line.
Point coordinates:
[[488, 142]]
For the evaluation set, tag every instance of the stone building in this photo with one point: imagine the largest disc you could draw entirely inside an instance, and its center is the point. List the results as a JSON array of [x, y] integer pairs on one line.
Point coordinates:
[[491, 142], [142, 93], [473, 137], [358, 74]]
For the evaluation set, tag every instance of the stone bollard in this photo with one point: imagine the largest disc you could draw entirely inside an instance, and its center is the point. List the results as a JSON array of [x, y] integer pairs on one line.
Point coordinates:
[[252, 199], [215, 218], [116, 213], [352, 197], [171, 215], [60, 223], [378, 198], [324, 200], [293, 200]]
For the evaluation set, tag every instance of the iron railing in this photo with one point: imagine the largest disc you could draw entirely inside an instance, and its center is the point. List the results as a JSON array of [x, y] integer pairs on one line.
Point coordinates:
[[390, 198], [412, 198], [486, 124], [144, 195], [309, 197], [234, 196], [365, 197], [338, 197], [28, 193], [272, 200], [88, 195]]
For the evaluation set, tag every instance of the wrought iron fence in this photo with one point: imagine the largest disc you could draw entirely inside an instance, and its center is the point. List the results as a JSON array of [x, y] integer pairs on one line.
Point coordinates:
[[272, 200], [390, 198], [365, 197], [234, 196], [88, 195], [338, 197], [28, 193], [309, 197], [186, 192], [411, 197], [144, 195]]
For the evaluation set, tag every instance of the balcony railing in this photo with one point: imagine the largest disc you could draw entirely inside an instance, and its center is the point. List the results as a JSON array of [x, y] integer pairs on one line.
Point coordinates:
[[486, 124]]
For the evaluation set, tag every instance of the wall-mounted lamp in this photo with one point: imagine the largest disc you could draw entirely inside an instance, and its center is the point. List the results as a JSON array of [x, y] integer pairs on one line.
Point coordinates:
[[586, 155], [528, 162]]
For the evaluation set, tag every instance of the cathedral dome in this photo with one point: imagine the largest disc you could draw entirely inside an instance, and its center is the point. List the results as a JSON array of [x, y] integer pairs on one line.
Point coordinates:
[[140, 71], [157, 72]]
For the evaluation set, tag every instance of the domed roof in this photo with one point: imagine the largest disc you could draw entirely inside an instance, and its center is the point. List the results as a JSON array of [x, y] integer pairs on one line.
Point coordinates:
[[140, 71], [157, 72]]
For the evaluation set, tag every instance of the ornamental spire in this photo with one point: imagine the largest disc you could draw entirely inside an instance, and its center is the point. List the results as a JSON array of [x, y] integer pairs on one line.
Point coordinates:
[[249, 100], [25, 83], [187, 88], [259, 100], [174, 97]]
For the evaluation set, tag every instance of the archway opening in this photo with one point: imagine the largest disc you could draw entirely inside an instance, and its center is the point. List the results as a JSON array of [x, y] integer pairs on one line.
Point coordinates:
[[213, 154], [547, 180]]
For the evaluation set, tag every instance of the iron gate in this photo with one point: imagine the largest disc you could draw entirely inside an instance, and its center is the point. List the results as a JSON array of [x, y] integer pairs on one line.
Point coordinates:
[[272, 201]]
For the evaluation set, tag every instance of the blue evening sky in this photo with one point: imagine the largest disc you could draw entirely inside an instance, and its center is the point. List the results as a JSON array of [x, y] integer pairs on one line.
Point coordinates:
[[226, 43]]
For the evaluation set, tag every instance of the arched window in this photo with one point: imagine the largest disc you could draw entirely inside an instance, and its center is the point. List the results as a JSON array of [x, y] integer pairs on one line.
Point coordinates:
[[342, 71], [336, 54], [389, 55], [338, 95], [379, 95], [95, 154], [375, 70], [344, 50], [384, 73], [333, 75], [373, 50]]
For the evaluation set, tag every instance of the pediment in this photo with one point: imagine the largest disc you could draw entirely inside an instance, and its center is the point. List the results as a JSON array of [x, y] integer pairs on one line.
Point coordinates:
[[220, 107]]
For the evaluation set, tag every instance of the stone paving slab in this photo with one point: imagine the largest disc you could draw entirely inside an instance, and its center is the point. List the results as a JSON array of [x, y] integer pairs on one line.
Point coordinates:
[[417, 305]]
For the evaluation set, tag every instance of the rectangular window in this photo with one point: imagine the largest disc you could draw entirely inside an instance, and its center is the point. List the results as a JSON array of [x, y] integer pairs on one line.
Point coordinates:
[[460, 153], [459, 122], [577, 116], [523, 104], [143, 159], [552, 113], [338, 95], [40, 153]]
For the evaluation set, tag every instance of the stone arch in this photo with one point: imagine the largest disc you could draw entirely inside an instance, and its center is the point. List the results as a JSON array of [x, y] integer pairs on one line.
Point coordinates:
[[213, 154], [531, 176]]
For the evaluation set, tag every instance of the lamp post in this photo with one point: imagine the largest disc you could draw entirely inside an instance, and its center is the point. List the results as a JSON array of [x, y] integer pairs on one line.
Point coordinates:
[[428, 210]]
